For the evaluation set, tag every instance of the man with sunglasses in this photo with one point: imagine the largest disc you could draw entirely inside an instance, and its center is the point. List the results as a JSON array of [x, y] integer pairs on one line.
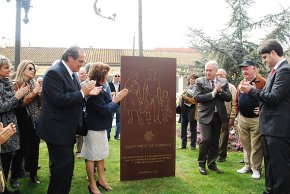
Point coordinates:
[[115, 88]]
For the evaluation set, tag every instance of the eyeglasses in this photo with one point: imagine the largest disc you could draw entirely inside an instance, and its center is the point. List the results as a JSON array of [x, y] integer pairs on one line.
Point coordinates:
[[117, 76], [30, 68]]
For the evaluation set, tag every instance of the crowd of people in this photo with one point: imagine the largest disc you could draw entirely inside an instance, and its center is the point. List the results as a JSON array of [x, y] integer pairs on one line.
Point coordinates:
[[260, 107], [51, 108]]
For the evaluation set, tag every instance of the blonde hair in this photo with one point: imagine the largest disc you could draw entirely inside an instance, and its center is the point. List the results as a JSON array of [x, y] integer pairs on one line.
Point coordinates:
[[98, 71], [20, 69]]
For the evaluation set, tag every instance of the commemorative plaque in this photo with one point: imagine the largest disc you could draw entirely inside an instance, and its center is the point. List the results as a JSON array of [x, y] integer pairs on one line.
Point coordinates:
[[148, 121]]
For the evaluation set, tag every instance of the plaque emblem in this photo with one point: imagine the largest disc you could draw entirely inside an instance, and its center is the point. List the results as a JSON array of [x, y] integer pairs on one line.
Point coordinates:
[[148, 136]]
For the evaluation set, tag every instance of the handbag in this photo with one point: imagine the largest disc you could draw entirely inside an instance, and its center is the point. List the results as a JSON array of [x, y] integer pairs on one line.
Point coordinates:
[[2, 178]]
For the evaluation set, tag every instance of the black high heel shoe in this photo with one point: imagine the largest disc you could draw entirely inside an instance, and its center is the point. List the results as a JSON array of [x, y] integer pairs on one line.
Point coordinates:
[[108, 188], [91, 192]]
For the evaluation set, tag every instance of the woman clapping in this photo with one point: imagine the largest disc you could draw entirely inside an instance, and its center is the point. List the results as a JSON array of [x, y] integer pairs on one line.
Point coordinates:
[[27, 117], [99, 110], [9, 101]]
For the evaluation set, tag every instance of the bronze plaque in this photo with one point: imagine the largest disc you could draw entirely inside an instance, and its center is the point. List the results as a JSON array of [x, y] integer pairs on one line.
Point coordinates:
[[148, 121]]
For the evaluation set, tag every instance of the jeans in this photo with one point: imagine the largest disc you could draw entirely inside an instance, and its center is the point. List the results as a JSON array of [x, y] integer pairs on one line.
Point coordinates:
[[117, 132]]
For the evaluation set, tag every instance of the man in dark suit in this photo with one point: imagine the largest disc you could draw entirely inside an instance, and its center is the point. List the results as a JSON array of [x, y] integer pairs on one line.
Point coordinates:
[[210, 94], [274, 117], [62, 100], [115, 88]]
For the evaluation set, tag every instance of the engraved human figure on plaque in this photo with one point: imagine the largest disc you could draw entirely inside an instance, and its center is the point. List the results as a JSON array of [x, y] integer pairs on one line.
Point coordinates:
[[148, 143], [151, 95], [164, 107], [133, 99]]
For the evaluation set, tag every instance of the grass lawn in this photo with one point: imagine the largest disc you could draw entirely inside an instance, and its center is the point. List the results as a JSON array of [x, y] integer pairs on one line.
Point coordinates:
[[187, 178]]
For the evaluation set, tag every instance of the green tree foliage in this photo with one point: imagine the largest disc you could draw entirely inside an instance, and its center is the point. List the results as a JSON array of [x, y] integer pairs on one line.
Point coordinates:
[[233, 45]]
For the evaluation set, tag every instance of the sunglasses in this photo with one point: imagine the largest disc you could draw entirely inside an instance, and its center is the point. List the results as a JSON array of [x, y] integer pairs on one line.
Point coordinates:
[[30, 69], [117, 76]]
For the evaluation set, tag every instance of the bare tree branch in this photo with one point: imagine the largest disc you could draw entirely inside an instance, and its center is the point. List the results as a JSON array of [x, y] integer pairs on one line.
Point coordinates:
[[98, 12]]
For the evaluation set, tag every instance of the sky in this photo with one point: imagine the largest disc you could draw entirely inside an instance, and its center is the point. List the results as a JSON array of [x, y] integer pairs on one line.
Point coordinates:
[[63, 23]]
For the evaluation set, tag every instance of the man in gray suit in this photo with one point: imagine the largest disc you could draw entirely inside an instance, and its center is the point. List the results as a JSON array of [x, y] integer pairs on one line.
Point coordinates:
[[274, 117], [211, 93]]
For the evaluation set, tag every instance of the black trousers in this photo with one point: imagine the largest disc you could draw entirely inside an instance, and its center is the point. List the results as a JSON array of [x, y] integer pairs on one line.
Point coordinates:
[[29, 152], [183, 133], [29, 144], [277, 164], [61, 168], [209, 145], [17, 166], [6, 159]]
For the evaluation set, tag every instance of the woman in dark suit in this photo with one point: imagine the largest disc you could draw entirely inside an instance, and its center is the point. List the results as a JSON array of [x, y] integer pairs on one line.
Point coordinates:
[[99, 117]]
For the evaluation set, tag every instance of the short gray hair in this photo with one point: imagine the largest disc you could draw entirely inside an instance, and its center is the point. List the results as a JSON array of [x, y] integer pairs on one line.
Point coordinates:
[[223, 70], [4, 61], [212, 62]]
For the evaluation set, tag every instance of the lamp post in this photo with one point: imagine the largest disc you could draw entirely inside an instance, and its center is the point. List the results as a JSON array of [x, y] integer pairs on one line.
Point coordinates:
[[25, 4], [140, 28]]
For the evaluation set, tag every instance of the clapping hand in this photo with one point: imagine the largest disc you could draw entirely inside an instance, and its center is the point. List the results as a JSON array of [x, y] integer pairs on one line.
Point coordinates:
[[21, 92], [88, 86], [38, 88], [218, 87], [7, 132], [120, 95], [257, 110], [95, 91], [245, 87]]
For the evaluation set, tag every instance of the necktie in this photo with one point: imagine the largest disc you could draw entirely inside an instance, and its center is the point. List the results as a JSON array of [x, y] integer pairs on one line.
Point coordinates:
[[273, 71], [212, 83], [76, 83]]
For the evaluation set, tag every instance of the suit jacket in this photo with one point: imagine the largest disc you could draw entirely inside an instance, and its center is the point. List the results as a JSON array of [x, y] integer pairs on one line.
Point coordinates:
[[61, 107], [99, 111], [275, 103], [112, 87], [207, 103]]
